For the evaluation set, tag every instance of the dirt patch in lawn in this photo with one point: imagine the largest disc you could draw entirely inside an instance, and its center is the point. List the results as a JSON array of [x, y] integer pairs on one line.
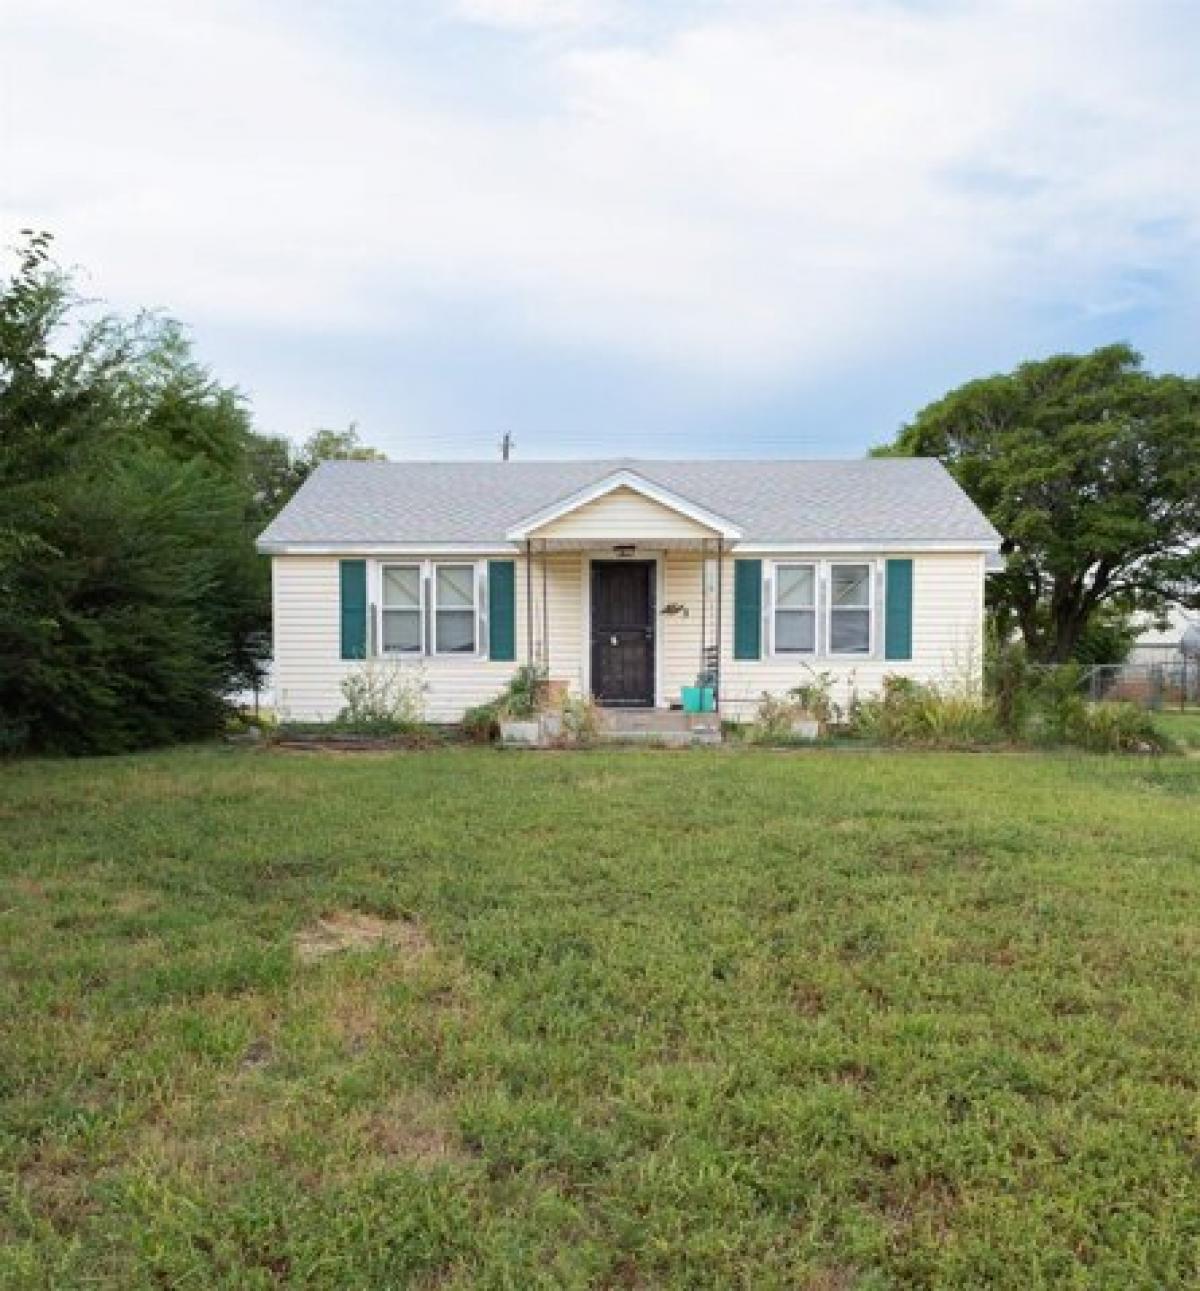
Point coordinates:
[[414, 1129], [27, 887], [345, 931], [832, 1279]]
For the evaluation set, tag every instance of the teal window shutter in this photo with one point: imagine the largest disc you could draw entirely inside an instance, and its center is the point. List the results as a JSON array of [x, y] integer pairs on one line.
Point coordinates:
[[354, 609], [747, 609], [897, 628], [502, 610]]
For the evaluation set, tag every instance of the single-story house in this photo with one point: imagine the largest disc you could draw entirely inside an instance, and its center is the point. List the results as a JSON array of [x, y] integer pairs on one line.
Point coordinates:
[[626, 579]]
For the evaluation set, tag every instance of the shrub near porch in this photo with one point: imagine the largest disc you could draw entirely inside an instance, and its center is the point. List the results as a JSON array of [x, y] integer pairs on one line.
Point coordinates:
[[702, 1019]]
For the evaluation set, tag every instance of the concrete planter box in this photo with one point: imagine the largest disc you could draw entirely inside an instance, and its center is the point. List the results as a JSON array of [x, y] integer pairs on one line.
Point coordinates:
[[806, 728], [523, 734]]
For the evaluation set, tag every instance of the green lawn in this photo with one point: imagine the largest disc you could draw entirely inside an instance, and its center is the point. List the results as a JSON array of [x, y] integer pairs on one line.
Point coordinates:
[[1183, 728], [699, 1019]]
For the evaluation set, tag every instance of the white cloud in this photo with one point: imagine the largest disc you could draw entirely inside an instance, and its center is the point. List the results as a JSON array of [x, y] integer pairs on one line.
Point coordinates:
[[757, 189], [532, 15]]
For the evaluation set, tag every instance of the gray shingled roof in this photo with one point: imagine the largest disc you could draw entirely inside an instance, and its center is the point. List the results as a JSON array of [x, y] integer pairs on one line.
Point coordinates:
[[884, 500]]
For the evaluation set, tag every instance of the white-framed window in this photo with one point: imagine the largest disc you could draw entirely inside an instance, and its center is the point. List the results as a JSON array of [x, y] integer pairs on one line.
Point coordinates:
[[402, 609], [455, 609], [429, 607], [795, 609], [850, 607]]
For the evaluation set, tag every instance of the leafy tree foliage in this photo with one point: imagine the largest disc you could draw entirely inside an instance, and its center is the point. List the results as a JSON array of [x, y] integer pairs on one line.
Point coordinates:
[[1090, 468], [277, 469], [131, 598], [121, 638]]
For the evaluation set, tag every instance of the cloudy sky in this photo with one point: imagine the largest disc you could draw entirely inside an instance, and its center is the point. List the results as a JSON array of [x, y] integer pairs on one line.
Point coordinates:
[[691, 227]]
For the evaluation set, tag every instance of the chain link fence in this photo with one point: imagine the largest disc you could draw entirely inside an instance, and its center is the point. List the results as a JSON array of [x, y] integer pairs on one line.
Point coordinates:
[[1169, 683]]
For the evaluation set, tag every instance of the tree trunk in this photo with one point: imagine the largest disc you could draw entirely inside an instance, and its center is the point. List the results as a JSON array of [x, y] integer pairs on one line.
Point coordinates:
[[1066, 638], [1070, 616], [1024, 600]]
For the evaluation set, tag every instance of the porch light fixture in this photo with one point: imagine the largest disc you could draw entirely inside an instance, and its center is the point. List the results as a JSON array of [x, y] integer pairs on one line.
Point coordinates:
[[623, 550]]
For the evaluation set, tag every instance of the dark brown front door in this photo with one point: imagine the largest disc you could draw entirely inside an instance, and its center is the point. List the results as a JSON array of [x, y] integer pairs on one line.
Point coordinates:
[[623, 633]]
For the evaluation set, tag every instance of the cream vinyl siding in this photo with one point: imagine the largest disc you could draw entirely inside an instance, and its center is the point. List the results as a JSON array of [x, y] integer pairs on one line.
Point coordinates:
[[623, 515], [947, 632], [564, 597], [308, 668], [947, 636], [679, 634]]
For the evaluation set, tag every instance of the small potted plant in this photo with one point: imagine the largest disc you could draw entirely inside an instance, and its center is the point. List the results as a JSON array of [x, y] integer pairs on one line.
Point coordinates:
[[520, 706], [814, 709]]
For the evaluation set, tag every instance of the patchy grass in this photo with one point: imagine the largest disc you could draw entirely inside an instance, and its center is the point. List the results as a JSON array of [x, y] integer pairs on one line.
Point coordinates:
[[344, 931], [616, 1019]]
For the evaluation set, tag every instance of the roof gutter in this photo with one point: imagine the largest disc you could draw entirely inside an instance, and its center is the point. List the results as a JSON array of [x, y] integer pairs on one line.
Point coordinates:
[[975, 545], [273, 548], [277, 548]]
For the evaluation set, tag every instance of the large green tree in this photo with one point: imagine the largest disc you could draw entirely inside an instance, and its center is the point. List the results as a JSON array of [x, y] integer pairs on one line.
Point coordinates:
[[132, 486], [130, 596], [1089, 466]]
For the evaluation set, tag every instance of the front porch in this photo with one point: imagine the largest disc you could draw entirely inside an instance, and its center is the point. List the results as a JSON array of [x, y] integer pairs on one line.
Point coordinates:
[[624, 595], [631, 624]]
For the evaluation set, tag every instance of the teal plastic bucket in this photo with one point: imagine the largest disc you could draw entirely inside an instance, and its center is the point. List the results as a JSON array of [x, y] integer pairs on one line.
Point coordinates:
[[697, 699]]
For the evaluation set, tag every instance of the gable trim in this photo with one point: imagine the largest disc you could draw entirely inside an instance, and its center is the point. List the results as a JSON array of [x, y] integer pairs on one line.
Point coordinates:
[[624, 479]]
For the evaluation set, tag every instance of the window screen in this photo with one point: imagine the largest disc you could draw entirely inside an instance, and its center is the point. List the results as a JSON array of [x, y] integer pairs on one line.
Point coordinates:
[[401, 609], [454, 598], [849, 609], [795, 609]]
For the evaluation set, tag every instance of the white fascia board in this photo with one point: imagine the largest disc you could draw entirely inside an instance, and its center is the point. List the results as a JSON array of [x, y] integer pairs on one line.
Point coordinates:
[[387, 549], [878, 548], [628, 480]]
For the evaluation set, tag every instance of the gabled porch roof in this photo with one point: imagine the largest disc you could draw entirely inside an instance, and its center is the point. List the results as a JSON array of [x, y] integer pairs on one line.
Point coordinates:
[[536, 524]]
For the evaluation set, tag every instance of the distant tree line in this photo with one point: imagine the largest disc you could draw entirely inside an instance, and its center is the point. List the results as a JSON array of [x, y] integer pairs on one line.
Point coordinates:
[[132, 486]]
